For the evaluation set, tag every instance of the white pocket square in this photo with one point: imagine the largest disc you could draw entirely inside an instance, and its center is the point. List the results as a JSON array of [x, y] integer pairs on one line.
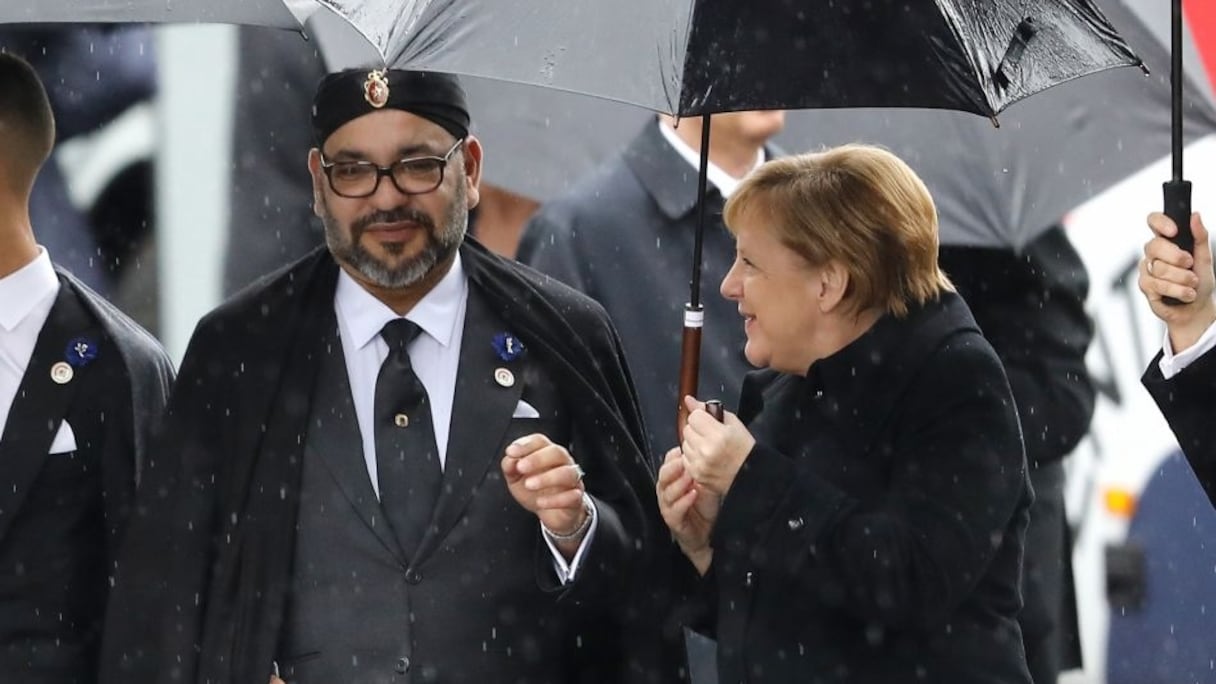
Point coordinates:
[[65, 440], [525, 410]]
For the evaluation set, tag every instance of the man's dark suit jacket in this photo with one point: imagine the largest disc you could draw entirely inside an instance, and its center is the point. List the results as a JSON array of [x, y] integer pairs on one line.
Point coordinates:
[[1188, 402], [874, 534], [624, 237], [62, 515], [202, 587]]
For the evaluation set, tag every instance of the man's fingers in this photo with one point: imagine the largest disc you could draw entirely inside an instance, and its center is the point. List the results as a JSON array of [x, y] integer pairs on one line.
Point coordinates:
[[565, 476], [560, 498], [1160, 252], [1162, 224], [1162, 270], [540, 460], [527, 444], [1158, 288]]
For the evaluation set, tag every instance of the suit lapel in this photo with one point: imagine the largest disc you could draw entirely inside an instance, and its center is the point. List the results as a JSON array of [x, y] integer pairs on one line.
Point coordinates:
[[335, 440], [40, 404], [481, 413]]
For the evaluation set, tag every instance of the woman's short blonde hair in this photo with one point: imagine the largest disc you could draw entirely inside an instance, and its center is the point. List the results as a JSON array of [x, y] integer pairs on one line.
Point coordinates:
[[859, 205]]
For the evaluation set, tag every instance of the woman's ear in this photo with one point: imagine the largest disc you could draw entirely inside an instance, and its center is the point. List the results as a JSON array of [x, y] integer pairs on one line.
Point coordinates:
[[833, 284]]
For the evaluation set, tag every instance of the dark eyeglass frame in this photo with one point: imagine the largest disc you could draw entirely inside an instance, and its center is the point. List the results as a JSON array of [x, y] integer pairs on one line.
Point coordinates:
[[382, 171]]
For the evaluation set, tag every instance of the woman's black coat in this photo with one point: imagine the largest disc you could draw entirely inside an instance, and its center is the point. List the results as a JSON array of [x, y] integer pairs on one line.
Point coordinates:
[[874, 534]]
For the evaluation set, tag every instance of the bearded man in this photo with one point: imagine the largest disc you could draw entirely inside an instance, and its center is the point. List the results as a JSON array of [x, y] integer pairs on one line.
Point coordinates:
[[400, 459]]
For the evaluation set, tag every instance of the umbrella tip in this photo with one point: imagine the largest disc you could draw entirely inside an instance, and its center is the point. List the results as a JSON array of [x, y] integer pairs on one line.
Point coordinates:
[[995, 122]]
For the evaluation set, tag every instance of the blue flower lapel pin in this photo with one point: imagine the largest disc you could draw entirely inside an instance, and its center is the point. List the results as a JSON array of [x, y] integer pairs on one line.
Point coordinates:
[[508, 347], [79, 353]]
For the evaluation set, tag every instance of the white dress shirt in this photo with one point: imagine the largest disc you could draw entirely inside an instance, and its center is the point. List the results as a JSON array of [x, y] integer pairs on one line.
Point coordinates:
[[715, 176], [1171, 364], [26, 298], [435, 356]]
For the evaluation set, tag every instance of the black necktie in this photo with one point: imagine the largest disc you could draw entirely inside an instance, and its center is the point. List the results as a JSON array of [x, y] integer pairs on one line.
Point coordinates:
[[407, 459]]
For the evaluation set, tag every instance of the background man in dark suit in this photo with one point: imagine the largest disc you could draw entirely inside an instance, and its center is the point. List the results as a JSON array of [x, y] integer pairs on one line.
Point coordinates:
[[1182, 377], [624, 236], [80, 385], [365, 475]]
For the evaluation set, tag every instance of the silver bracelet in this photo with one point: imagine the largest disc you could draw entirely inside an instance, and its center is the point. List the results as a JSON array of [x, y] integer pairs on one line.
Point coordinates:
[[580, 530]]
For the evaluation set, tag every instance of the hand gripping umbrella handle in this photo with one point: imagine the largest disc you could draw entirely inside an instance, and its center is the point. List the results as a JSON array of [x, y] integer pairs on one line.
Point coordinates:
[[1178, 208]]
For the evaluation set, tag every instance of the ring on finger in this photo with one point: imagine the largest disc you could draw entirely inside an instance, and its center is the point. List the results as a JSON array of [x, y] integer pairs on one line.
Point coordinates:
[[578, 472]]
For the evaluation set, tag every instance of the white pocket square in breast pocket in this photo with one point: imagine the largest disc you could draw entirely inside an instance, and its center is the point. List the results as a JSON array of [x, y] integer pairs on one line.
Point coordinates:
[[525, 410], [65, 440]]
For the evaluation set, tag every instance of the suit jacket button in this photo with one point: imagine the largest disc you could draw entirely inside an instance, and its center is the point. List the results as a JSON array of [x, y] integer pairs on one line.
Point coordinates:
[[412, 576], [795, 524], [402, 666]]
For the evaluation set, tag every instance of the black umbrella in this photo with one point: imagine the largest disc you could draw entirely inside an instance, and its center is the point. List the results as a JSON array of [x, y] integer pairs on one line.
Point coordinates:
[[697, 57], [1001, 187]]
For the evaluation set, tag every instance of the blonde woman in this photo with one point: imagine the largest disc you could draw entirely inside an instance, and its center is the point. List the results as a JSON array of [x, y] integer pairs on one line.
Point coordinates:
[[862, 518]]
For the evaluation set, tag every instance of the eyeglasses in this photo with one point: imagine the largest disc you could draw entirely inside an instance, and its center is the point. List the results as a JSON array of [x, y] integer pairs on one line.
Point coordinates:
[[414, 176]]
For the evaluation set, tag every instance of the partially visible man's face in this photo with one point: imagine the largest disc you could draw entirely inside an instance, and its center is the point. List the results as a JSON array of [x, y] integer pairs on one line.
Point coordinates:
[[391, 239], [753, 127]]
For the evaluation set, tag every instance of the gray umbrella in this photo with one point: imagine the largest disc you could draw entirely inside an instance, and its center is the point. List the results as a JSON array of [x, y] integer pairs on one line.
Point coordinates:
[[1000, 187], [276, 13], [540, 140]]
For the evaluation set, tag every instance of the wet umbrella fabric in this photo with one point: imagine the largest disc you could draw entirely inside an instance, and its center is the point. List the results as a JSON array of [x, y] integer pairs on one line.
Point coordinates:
[[690, 57], [696, 57], [276, 13], [1001, 187]]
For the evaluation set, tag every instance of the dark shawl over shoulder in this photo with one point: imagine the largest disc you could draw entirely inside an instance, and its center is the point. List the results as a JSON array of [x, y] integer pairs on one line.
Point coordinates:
[[202, 584]]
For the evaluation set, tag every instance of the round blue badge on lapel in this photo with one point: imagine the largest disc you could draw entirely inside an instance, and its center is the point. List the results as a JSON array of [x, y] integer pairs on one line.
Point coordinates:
[[80, 352]]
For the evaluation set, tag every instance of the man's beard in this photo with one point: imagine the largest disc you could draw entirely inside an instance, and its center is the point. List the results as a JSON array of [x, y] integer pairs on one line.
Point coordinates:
[[347, 247]]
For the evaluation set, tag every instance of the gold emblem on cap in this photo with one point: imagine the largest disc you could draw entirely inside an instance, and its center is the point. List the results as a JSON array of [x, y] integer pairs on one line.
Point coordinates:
[[375, 88], [504, 377], [62, 373]]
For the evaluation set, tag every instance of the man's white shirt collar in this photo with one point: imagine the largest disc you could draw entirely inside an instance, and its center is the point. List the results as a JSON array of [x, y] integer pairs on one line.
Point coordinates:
[[23, 290], [365, 315], [723, 181]]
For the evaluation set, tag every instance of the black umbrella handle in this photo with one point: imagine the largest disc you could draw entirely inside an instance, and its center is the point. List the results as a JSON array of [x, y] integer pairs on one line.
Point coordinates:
[[1178, 208]]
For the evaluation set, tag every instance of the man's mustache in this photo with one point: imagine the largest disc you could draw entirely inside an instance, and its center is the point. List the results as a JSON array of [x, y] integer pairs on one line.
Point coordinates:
[[399, 215]]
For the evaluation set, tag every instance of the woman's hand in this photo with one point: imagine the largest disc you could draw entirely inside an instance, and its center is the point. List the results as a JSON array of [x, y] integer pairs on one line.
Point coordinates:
[[714, 452], [688, 510]]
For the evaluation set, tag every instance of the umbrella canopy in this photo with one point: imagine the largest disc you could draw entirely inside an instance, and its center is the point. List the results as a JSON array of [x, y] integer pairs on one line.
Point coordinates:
[[1199, 37], [541, 140], [1001, 187], [277, 13], [689, 57], [696, 57]]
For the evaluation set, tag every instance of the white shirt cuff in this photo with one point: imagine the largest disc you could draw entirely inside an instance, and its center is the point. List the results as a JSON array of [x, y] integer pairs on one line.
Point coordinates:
[[566, 572], [1172, 364]]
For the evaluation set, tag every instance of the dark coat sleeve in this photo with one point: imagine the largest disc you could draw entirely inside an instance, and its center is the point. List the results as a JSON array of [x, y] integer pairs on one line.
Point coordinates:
[[1187, 401], [1031, 308], [908, 559]]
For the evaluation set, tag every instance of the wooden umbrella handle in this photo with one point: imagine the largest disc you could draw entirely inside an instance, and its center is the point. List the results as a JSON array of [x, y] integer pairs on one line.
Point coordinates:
[[690, 363]]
